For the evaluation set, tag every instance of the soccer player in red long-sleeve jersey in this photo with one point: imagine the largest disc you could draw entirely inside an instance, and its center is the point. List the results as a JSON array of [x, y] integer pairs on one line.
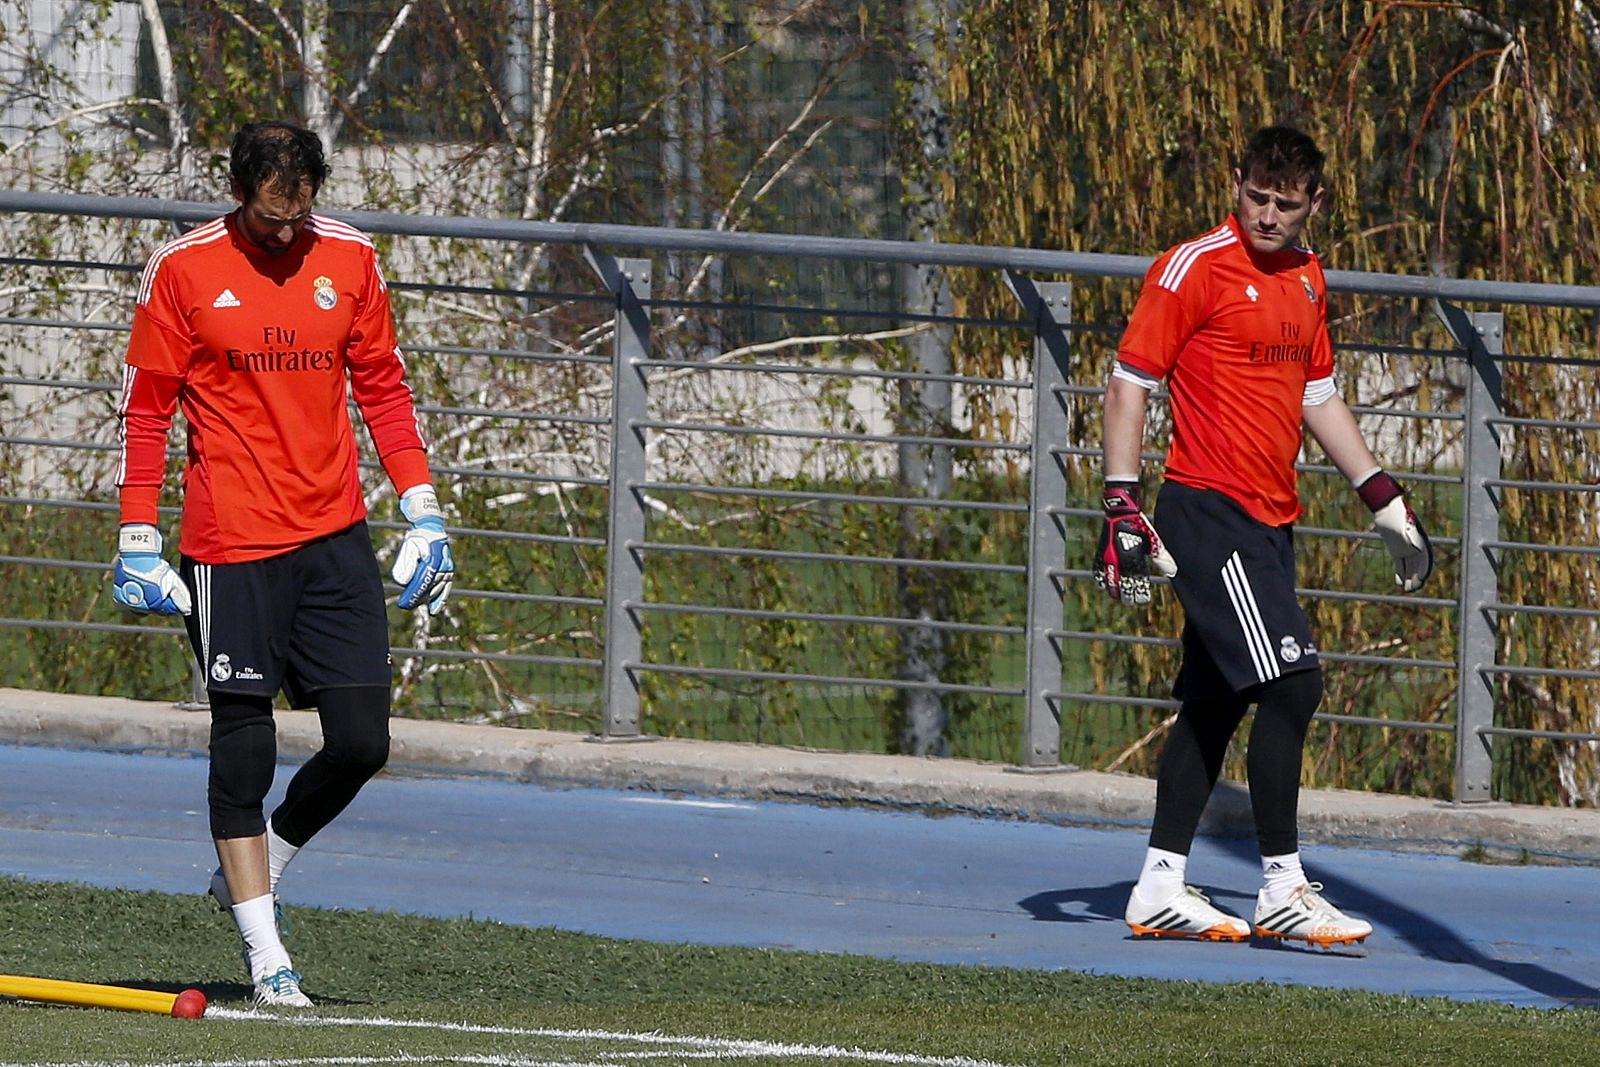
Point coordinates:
[[1236, 322], [257, 325]]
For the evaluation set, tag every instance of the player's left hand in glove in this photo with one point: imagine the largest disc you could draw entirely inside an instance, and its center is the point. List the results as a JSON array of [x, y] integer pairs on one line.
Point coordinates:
[[1129, 546], [1402, 534], [142, 581], [423, 567]]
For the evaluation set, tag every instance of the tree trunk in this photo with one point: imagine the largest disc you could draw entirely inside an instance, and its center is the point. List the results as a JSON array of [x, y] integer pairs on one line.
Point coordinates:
[[183, 163], [924, 405], [315, 101]]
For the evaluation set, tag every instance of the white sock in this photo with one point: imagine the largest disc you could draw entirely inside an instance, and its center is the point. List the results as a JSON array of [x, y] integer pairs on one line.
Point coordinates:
[[279, 853], [258, 926], [1162, 876], [1283, 876]]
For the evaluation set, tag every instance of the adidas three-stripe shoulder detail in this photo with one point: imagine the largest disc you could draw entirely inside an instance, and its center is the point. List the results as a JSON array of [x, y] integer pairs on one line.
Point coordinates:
[[1186, 254], [201, 235], [323, 226]]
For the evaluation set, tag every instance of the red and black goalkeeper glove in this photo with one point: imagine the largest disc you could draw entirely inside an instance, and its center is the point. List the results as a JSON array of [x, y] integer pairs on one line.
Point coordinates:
[[1402, 534], [1129, 546]]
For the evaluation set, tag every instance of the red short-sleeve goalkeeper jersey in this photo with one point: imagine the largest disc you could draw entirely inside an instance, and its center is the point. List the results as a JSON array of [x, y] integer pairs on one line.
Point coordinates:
[[257, 349], [1238, 334]]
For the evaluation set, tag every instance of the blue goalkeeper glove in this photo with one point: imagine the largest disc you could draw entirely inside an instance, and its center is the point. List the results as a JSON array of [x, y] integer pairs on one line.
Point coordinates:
[[424, 567], [142, 581]]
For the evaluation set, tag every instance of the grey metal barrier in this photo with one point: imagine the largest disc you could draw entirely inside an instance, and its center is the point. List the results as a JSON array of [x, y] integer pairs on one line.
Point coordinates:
[[1035, 584]]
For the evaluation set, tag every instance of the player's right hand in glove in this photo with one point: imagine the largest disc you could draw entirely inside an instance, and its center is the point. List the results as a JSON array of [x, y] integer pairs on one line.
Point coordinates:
[[142, 581], [1402, 534], [1129, 546]]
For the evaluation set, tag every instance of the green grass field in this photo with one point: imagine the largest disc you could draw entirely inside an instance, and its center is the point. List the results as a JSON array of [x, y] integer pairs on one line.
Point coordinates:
[[399, 989]]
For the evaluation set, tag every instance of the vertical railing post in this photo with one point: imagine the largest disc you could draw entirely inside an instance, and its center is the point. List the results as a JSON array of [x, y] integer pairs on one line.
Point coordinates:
[[1482, 335], [1049, 305], [199, 698], [629, 280]]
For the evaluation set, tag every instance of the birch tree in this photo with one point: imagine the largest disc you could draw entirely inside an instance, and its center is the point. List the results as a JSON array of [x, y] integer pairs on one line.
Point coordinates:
[[925, 404], [549, 110]]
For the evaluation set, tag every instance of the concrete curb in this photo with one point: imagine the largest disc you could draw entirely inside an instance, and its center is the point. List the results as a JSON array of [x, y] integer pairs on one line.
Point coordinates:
[[932, 786]]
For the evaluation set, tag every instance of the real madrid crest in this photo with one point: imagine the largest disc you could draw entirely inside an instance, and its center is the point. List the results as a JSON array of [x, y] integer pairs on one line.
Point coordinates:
[[326, 297], [1311, 294]]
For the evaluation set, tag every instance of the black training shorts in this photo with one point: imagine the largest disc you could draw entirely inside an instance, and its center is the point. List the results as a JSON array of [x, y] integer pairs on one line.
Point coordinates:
[[307, 620], [1236, 582]]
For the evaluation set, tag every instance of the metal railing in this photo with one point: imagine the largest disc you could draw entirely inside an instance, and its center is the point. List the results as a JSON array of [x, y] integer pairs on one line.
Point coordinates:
[[1053, 393]]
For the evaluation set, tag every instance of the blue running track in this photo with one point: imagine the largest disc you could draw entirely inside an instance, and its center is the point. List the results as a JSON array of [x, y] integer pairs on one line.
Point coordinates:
[[900, 886]]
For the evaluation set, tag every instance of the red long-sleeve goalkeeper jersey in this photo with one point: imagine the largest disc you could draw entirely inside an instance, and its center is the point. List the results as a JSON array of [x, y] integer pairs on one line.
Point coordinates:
[[257, 349], [1238, 334]]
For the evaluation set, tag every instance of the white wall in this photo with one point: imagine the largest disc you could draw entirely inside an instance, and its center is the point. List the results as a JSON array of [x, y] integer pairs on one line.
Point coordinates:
[[97, 56]]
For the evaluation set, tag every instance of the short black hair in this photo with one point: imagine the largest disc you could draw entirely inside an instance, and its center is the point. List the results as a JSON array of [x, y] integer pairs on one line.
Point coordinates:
[[272, 151], [1282, 157]]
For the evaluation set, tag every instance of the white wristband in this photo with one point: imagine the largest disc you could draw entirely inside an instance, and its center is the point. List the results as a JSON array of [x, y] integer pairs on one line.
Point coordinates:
[[420, 502], [139, 538]]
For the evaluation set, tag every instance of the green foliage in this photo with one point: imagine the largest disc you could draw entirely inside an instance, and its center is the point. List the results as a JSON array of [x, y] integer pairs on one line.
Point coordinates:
[[1462, 139], [621, 113], [145, 662]]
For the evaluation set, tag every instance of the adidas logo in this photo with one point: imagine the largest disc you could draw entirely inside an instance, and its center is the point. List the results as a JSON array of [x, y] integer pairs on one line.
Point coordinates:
[[1162, 865], [225, 299]]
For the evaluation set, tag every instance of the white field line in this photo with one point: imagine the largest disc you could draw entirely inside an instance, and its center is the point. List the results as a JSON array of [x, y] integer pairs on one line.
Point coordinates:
[[347, 1061], [400, 1059], [672, 1046]]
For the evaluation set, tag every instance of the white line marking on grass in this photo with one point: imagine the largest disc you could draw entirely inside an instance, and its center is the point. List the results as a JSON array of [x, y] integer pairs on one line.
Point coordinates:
[[709, 1047], [377, 1061], [670, 1046], [345, 1061]]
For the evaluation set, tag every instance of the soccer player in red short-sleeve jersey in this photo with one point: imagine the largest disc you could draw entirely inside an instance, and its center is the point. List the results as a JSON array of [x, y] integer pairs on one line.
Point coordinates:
[[1235, 322], [258, 326]]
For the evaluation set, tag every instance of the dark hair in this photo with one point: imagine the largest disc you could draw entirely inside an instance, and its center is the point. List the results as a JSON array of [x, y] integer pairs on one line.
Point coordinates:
[[268, 152], [1282, 156]]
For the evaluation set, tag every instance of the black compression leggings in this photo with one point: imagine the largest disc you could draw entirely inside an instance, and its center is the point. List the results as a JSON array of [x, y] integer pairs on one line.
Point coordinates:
[[244, 746], [1198, 743], [355, 746]]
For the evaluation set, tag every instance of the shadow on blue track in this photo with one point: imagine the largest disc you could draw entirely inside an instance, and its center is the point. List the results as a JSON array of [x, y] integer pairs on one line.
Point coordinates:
[[1102, 903], [1430, 939], [1424, 936]]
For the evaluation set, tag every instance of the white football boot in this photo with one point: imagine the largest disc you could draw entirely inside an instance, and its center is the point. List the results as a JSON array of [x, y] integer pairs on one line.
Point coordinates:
[[1188, 914], [1306, 916], [281, 989]]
